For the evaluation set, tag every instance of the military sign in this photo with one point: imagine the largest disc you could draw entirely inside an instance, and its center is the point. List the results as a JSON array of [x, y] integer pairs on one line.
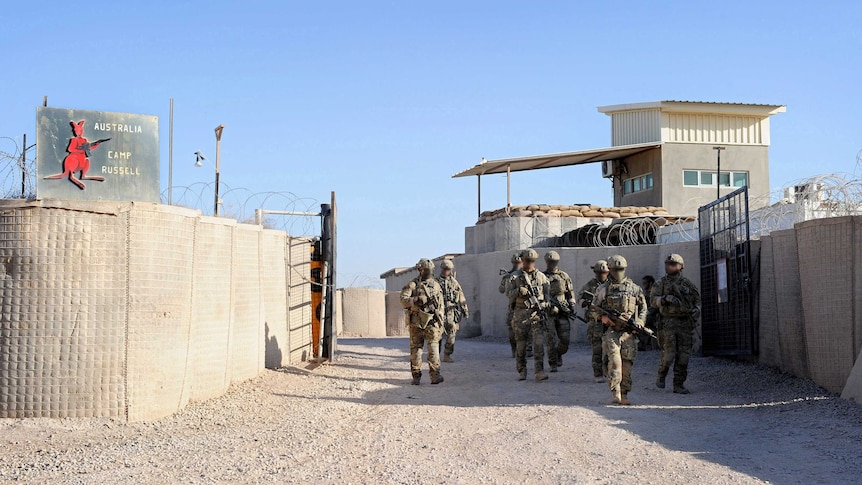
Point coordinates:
[[92, 155]]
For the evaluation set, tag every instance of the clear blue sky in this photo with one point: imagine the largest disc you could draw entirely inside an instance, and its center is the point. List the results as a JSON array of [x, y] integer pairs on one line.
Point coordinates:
[[384, 101]]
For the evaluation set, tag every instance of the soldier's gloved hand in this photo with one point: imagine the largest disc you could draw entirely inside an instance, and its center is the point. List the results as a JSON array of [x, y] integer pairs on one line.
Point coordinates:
[[572, 305], [554, 310], [545, 306], [625, 316], [670, 299], [421, 299], [695, 313], [524, 291]]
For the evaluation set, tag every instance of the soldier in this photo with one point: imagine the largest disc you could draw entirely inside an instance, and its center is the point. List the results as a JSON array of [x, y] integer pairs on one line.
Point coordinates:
[[504, 282], [423, 301], [678, 303], [530, 291], [623, 295], [455, 309], [595, 328], [562, 305]]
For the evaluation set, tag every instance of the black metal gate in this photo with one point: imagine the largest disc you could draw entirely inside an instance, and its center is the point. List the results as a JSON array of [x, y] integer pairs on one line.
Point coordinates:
[[725, 277]]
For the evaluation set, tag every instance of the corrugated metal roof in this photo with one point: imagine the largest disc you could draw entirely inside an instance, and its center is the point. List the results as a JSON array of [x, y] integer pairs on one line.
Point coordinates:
[[673, 105], [722, 102], [556, 159]]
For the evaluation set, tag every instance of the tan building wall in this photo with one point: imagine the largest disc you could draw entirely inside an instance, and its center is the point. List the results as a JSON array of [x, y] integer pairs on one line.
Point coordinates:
[[131, 311], [668, 163]]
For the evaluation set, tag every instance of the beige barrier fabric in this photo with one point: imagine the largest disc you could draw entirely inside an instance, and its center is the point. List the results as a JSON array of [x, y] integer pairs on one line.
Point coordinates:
[[133, 310]]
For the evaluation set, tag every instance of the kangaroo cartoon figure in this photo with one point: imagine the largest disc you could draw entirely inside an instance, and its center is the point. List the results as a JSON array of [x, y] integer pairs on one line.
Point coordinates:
[[77, 161]]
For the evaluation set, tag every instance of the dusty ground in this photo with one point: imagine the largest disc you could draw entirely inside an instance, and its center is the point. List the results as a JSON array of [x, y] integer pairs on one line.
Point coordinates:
[[360, 421]]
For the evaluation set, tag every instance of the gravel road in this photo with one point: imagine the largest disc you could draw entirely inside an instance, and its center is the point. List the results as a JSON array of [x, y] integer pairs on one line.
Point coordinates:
[[359, 421]]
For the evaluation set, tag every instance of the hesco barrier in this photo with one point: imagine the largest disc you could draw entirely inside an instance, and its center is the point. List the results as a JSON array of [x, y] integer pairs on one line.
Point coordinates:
[[130, 310]]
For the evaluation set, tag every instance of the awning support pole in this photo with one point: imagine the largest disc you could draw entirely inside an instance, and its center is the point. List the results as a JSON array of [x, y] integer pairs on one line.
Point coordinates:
[[508, 187], [479, 198]]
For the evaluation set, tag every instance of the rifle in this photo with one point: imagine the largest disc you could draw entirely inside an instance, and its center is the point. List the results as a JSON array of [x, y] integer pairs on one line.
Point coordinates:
[[503, 271], [86, 146], [533, 300], [563, 309], [630, 325], [431, 305]]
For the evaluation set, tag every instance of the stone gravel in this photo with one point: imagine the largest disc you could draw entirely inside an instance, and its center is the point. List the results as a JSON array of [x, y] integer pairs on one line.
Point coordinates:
[[359, 421]]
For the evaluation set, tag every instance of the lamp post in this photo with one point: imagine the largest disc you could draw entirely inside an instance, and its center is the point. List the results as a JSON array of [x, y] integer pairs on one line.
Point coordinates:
[[218, 131], [718, 172]]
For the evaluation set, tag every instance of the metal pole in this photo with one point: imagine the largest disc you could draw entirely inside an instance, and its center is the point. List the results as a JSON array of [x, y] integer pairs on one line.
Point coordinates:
[[328, 243], [718, 173], [24, 167], [479, 198], [218, 132], [508, 187], [171, 157]]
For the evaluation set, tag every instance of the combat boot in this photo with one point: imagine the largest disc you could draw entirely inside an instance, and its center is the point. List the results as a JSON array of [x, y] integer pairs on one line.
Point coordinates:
[[559, 361], [416, 377], [541, 376], [600, 380], [447, 358], [522, 376], [436, 378], [624, 399], [659, 382], [553, 368], [617, 398], [680, 390]]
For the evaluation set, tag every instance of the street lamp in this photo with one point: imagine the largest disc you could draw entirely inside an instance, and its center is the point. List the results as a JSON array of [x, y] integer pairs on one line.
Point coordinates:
[[218, 131]]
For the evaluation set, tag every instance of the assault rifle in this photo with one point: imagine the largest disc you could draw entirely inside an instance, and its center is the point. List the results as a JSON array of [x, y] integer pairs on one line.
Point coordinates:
[[533, 298], [616, 316], [86, 146], [563, 308], [431, 309]]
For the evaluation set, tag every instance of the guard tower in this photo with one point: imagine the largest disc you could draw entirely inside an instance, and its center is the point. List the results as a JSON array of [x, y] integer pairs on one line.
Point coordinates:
[[666, 153], [682, 173]]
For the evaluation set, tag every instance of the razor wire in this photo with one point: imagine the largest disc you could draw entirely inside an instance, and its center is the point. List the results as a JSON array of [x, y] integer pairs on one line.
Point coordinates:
[[17, 179], [240, 203]]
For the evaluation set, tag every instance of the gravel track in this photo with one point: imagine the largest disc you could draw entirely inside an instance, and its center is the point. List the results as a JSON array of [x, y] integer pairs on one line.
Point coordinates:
[[359, 421]]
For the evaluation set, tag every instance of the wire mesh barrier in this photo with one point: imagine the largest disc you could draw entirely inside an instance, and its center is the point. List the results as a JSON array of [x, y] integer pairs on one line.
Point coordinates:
[[725, 276]]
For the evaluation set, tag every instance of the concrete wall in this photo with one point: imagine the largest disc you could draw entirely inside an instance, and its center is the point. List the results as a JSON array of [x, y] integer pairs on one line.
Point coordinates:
[[131, 311], [363, 312]]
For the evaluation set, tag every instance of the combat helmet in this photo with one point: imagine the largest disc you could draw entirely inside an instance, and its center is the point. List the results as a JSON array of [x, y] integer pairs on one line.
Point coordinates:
[[617, 262], [601, 266], [447, 264], [529, 254], [552, 256], [675, 258], [516, 258], [425, 263]]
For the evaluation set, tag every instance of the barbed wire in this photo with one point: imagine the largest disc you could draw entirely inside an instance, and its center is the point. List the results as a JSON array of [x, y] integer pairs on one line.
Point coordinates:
[[16, 181], [240, 204]]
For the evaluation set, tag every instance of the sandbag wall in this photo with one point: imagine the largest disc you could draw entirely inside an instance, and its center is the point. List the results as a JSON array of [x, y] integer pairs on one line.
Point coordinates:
[[130, 311]]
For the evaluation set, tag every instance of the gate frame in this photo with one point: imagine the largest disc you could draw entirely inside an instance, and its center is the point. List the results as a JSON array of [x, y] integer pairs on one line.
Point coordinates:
[[745, 339]]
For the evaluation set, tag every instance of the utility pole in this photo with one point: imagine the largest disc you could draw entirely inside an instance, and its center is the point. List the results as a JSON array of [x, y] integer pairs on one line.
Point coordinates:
[[718, 172]]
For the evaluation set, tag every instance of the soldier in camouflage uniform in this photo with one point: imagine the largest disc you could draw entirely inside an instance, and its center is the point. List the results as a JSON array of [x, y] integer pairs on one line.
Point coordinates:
[[530, 291], [504, 283], [422, 298], [678, 303], [624, 295], [456, 306], [563, 304], [595, 328]]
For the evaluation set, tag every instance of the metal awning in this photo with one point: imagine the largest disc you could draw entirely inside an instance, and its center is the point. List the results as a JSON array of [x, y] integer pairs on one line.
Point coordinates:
[[556, 160]]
